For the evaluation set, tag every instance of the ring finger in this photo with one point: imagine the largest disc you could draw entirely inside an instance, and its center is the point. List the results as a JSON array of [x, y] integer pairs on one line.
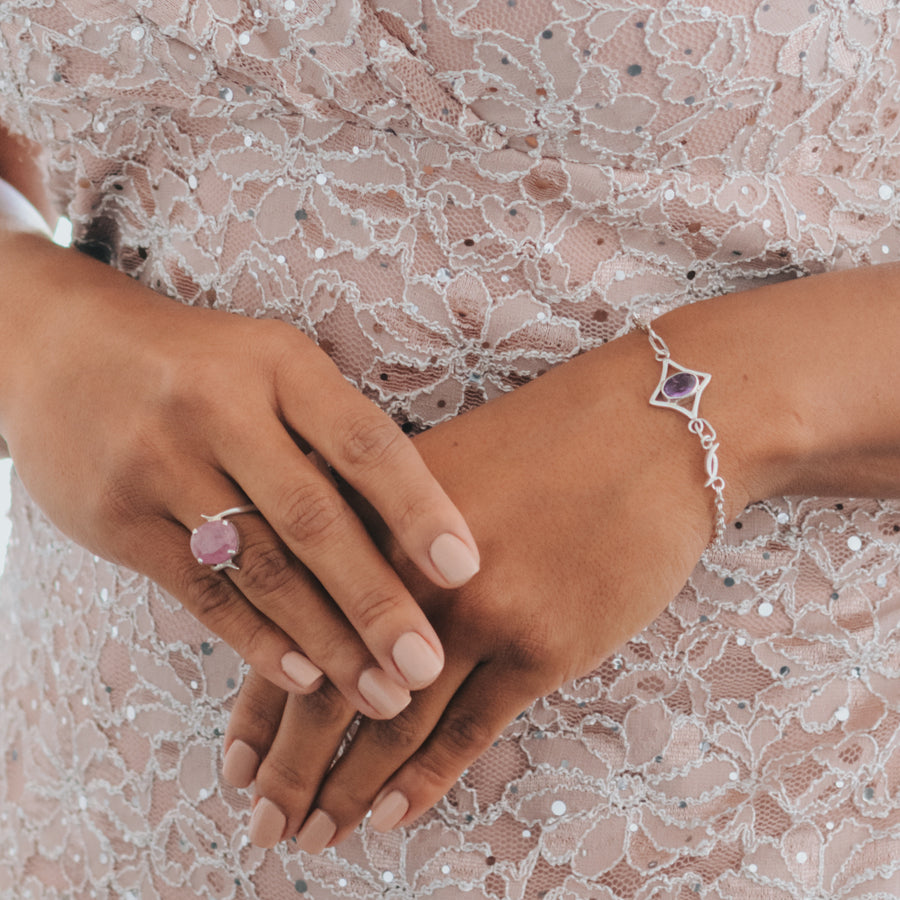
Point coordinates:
[[275, 582]]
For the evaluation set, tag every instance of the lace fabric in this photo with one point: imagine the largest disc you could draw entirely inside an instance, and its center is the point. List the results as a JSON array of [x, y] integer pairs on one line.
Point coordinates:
[[452, 196]]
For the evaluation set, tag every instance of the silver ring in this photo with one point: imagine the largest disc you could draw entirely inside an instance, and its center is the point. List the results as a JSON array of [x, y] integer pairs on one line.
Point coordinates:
[[216, 542]]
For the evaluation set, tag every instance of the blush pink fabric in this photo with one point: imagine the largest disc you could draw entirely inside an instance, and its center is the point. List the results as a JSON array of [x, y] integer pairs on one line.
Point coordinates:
[[452, 196]]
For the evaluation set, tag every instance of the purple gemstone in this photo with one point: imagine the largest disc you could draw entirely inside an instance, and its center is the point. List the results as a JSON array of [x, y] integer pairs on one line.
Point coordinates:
[[681, 385], [214, 543]]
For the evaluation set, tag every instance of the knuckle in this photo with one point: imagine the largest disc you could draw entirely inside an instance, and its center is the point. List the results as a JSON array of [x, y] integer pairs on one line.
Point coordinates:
[[463, 738], [411, 507], [540, 660], [279, 332], [368, 441], [374, 605], [467, 731], [125, 486], [208, 597], [281, 775], [282, 341], [400, 735], [265, 569], [256, 641], [528, 652], [176, 376], [258, 715], [311, 513], [324, 709], [116, 501]]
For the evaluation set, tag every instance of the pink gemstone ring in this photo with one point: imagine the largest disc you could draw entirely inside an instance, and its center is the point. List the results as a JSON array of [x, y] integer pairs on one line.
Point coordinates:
[[216, 542]]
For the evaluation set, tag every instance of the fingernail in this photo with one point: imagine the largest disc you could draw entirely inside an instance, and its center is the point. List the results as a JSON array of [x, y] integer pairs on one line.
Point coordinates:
[[300, 670], [388, 811], [384, 695], [453, 559], [266, 824], [316, 833], [416, 659], [240, 764]]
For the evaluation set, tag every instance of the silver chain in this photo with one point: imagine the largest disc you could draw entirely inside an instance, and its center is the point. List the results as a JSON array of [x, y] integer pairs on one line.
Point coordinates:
[[696, 424]]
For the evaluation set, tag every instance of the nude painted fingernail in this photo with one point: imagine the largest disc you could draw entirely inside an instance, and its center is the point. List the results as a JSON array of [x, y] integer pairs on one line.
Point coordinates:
[[388, 811], [316, 833], [240, 764], [300, 670], [382, 693], [417, 659], [453, 559], [266, 824]]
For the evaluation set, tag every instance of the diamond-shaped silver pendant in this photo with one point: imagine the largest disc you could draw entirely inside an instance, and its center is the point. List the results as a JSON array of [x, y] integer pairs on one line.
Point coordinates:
[[680, 388]]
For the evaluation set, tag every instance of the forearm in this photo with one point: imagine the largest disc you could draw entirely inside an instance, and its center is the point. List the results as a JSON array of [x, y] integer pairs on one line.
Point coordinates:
[[19, 312], [801, 398], [803, 394], [16, 215], [24, 206]]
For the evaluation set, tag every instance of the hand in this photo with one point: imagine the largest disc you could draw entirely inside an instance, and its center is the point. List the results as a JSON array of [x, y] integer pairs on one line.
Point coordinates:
[[590, 510], [129, 416]]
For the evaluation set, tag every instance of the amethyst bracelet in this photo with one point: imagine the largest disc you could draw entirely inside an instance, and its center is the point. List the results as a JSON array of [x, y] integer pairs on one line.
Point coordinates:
[[680, 388]]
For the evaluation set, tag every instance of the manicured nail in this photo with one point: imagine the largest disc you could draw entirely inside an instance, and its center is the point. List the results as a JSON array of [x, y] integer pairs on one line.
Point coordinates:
[[300, 670], [416, 659], [240, 764], [383, 694], [316, 833], [266, 824], [387, 811], [453, 559]]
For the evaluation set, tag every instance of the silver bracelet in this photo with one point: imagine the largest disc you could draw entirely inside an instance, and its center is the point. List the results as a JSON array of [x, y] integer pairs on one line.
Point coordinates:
[[680, 388]]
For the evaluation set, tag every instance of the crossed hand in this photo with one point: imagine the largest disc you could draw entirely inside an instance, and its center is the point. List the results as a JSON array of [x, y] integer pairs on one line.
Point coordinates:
[[588, 507], [588, 525]]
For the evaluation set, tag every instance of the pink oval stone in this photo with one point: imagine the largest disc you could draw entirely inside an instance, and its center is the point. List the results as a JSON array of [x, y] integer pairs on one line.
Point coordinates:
[[214, 543]]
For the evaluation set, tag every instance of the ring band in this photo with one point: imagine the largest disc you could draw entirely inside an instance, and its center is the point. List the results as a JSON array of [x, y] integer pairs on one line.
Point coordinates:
[[216, 542]]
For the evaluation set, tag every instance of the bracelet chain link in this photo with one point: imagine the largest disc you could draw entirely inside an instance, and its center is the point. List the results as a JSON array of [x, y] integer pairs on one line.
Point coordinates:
[[680, 388]]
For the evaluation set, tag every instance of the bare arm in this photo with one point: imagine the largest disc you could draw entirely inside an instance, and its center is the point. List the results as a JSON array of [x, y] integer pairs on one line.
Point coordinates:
[[100, 409], [20, 169], [591, 511]]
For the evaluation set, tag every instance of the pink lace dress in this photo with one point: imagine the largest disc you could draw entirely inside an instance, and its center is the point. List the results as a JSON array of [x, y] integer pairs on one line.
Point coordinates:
[[451, 196]]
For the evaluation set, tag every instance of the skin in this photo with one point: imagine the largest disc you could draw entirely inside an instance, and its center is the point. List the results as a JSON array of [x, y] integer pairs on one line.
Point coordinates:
[[590, 509], [569, 491], [127, 452]]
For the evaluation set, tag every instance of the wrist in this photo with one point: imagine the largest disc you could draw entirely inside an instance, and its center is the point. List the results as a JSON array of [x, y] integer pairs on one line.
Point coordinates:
[[757, 438], [801, 394], [36, 304], [680, 389]]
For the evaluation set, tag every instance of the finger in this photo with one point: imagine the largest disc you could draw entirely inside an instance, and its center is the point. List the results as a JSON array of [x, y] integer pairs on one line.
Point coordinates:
[[252, 727], [311, 730], [321, 530], [276, 583], [215, 601], [373, 454], [402, 767]]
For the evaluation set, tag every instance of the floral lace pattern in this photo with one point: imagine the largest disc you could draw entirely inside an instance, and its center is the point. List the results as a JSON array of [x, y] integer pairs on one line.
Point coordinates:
[[452, 196]]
